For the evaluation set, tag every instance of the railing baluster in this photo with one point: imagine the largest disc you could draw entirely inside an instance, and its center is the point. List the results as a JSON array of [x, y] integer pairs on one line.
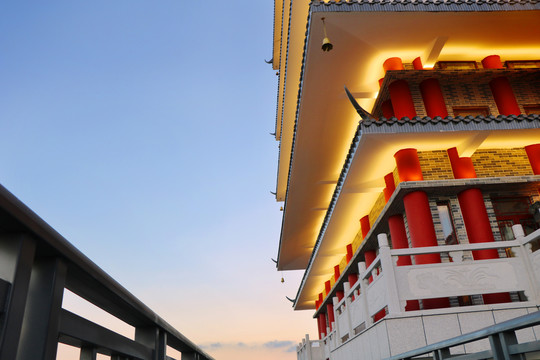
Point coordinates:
[[441, 354], [88, 353], [16, 258], [155, 339], [506, 339], [39, 334]]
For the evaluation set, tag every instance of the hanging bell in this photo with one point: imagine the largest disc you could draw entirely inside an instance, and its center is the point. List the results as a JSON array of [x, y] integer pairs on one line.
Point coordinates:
[[326, 44], [282, 280]]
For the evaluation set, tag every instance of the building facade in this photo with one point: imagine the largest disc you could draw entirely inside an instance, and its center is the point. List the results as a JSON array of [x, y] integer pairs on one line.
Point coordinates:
[[409, 167]]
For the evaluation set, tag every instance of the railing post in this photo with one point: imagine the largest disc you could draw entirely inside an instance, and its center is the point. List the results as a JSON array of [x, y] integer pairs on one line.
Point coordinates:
[[118, 357], [16, 258], [190, 356], [308, 348], [335, 301], [39, 334], [346, 290], [88, 353], [524, 254], [363, 292], [441, 354], [500, 343], [154, 338], [394, 305]]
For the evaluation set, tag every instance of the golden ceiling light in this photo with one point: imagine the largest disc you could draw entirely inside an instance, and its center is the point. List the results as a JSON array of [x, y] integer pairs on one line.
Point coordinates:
[[326, 44]]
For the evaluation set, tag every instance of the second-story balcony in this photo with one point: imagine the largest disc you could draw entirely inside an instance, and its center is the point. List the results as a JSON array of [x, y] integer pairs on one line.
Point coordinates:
[[385, 288]]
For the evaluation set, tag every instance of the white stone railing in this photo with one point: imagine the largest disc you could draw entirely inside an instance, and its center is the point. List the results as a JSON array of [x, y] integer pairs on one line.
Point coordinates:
[[393, 285], [310, 349]]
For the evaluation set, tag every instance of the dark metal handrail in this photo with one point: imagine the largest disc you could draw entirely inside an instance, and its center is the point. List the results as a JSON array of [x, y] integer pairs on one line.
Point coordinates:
[[36, 253], [502, 340]]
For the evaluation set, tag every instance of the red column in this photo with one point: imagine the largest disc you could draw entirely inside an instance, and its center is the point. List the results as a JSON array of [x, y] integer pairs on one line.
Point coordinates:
[[327, 287], [475, 217], [369, 256], [393, 63], [408, 165], [365, 226], [319, 327], [330, 312], [322, 325], [417, 64], [402, 101], [421, 229], [349, 253], [433, 98], [504, 96], [337, 273], [387, 109], [390, 186], [492, 62], [462, 167], [533, 153], [398, 234], [501, 89], [400, 95], [352, 278]]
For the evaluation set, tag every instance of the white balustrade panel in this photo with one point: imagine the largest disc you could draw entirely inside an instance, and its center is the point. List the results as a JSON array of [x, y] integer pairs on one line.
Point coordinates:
[[456, 279], [302, 354], [342, 322], [327, 348], [377, 295], [317, 350], [357, 312], [535, 259]]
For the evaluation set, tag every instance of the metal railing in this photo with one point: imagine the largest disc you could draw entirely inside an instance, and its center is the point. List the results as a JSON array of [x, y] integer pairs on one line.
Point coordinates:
[[36, 265], [503, 343]]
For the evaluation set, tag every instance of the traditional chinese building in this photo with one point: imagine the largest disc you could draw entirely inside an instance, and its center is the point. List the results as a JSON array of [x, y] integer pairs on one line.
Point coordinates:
[[409, 167]]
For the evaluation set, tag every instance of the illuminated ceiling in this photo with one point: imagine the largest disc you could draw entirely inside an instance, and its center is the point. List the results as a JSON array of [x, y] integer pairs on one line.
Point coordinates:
[[327, 121], [373, 159]]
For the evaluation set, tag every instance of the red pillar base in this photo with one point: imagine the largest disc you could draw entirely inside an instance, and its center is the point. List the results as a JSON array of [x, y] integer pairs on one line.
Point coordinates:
[[496, 298], [378, 316], [437, 303]]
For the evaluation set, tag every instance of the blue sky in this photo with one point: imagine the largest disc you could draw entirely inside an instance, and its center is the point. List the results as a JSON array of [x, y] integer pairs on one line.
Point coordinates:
[[140, 131]]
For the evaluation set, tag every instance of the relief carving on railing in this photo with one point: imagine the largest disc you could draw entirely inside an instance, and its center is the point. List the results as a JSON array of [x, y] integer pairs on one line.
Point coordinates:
[[459, 279]]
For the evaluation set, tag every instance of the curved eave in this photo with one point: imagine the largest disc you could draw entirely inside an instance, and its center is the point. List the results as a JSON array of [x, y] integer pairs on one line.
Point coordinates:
[[294, 26], [276, 44], [374, 147]]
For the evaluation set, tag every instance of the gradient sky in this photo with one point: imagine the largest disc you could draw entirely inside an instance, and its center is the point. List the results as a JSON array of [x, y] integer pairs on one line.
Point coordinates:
[[139, 130]]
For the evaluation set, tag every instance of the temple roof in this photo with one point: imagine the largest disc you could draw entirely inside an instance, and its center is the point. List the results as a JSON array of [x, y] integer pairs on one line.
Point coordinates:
[[315, 122]]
